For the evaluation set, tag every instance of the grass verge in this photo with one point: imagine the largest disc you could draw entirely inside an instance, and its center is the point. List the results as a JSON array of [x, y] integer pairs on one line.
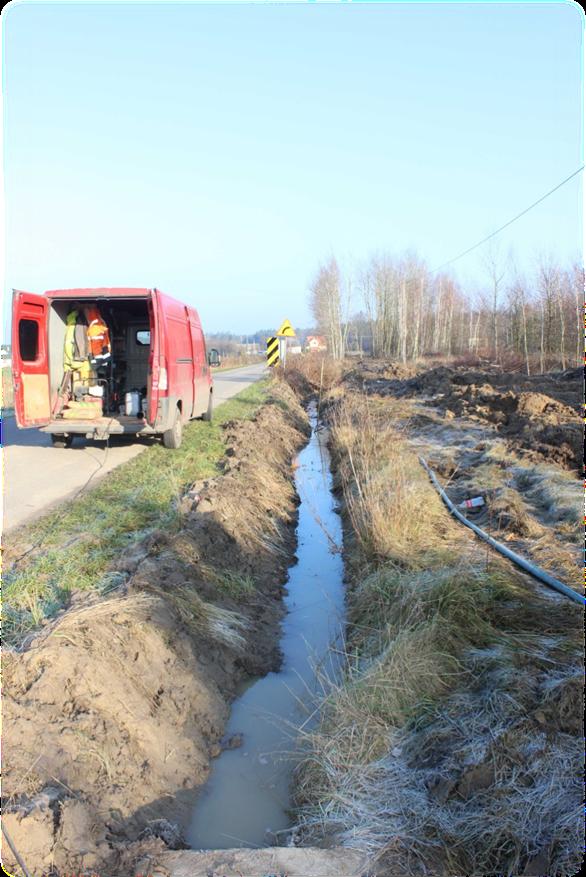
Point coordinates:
[[73, 547]]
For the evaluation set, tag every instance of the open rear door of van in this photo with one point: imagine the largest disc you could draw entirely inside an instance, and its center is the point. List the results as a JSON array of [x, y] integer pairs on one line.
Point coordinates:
[[156, 325], [30, 362]]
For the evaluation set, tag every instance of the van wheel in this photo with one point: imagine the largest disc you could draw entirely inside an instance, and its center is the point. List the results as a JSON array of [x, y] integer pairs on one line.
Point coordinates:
[[210, 412], [172, 437], [61, 441]]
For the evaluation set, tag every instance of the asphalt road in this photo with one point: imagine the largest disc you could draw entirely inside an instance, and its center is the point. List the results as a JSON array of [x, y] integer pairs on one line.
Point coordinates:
[[38, 476]]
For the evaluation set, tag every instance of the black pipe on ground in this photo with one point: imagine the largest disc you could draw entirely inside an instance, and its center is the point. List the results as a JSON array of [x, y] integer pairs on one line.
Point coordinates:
[[524, 564]]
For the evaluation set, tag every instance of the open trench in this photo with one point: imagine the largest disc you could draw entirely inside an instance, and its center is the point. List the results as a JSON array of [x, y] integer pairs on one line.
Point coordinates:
[[171, 711], [246, 801], [132, 701]]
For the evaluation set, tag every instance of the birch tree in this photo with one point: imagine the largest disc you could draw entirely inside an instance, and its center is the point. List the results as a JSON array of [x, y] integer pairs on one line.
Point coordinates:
[[496, 273], [408, 313], [326, 306]]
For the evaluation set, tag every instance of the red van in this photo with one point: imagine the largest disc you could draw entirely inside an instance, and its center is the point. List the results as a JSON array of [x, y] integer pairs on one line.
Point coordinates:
[[98, 362]]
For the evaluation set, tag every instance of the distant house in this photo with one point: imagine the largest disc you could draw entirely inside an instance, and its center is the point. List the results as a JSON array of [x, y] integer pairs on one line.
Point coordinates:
[[316, 343], [294, 345]]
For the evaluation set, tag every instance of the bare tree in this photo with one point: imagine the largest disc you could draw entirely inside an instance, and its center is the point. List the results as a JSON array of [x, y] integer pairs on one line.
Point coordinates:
[[560, 304], [517, 296], [326, 306], [496, 273], [438, 313], [410, 313], [577, 285], [377, 283], [548, 282], [418, 303]]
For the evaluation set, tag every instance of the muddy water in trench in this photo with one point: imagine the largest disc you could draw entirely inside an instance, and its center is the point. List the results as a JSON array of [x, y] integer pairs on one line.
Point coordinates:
[[247, 797]]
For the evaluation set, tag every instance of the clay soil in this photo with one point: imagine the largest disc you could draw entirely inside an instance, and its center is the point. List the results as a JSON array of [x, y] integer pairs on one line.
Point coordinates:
[[113, 713]]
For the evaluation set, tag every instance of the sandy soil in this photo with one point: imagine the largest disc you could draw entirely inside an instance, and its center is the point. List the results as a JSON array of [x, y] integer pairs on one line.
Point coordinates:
[[112, 714]]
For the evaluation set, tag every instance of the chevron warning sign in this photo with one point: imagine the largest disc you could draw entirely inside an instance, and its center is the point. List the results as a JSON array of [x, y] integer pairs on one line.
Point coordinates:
[[272, 351]]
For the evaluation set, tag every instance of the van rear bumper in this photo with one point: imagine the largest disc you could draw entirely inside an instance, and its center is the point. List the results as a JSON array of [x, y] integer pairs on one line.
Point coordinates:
[[116, 424], [101, 427]]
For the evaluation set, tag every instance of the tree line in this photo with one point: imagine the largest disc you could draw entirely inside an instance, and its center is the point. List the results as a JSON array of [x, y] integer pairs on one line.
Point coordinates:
[[405, 311]]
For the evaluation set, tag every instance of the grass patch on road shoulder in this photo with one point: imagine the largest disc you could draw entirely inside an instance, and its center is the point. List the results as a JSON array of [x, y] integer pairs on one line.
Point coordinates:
[[72, 548]]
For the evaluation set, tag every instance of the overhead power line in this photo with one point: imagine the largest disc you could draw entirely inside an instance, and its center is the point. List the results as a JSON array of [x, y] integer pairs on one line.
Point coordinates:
[[510, 222]]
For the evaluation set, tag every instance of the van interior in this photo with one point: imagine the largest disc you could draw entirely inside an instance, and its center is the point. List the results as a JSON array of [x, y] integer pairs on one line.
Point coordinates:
[[115, 382]]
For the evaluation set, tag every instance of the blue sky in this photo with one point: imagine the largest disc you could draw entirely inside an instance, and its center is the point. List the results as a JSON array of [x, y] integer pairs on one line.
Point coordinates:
[[219, 151]]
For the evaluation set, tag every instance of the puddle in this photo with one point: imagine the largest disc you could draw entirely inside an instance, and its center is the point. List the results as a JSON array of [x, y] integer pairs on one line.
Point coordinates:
[[246, 800]]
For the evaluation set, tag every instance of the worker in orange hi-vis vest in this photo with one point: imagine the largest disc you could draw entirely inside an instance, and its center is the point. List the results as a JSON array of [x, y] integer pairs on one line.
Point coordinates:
[[98, 337]]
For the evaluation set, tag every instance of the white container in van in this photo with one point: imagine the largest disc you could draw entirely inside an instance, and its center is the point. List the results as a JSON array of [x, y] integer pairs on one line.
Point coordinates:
[[132, 403]]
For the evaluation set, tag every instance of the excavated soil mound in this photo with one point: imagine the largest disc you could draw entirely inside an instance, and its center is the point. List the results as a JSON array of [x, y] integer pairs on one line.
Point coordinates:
[[112, 714], [539, 413], [536, 422]]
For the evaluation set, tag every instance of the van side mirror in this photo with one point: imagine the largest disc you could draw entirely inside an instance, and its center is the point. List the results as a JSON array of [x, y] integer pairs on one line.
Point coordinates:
[[214, 357]]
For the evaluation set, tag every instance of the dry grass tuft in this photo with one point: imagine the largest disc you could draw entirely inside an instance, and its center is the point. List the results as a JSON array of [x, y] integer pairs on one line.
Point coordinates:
[[199, 617], [493, 816], [231, 583], [490, 476], [556, 494], [313, 371], [259, 514], [390, 601], [563, 561], [512, 513], [395, 513]]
